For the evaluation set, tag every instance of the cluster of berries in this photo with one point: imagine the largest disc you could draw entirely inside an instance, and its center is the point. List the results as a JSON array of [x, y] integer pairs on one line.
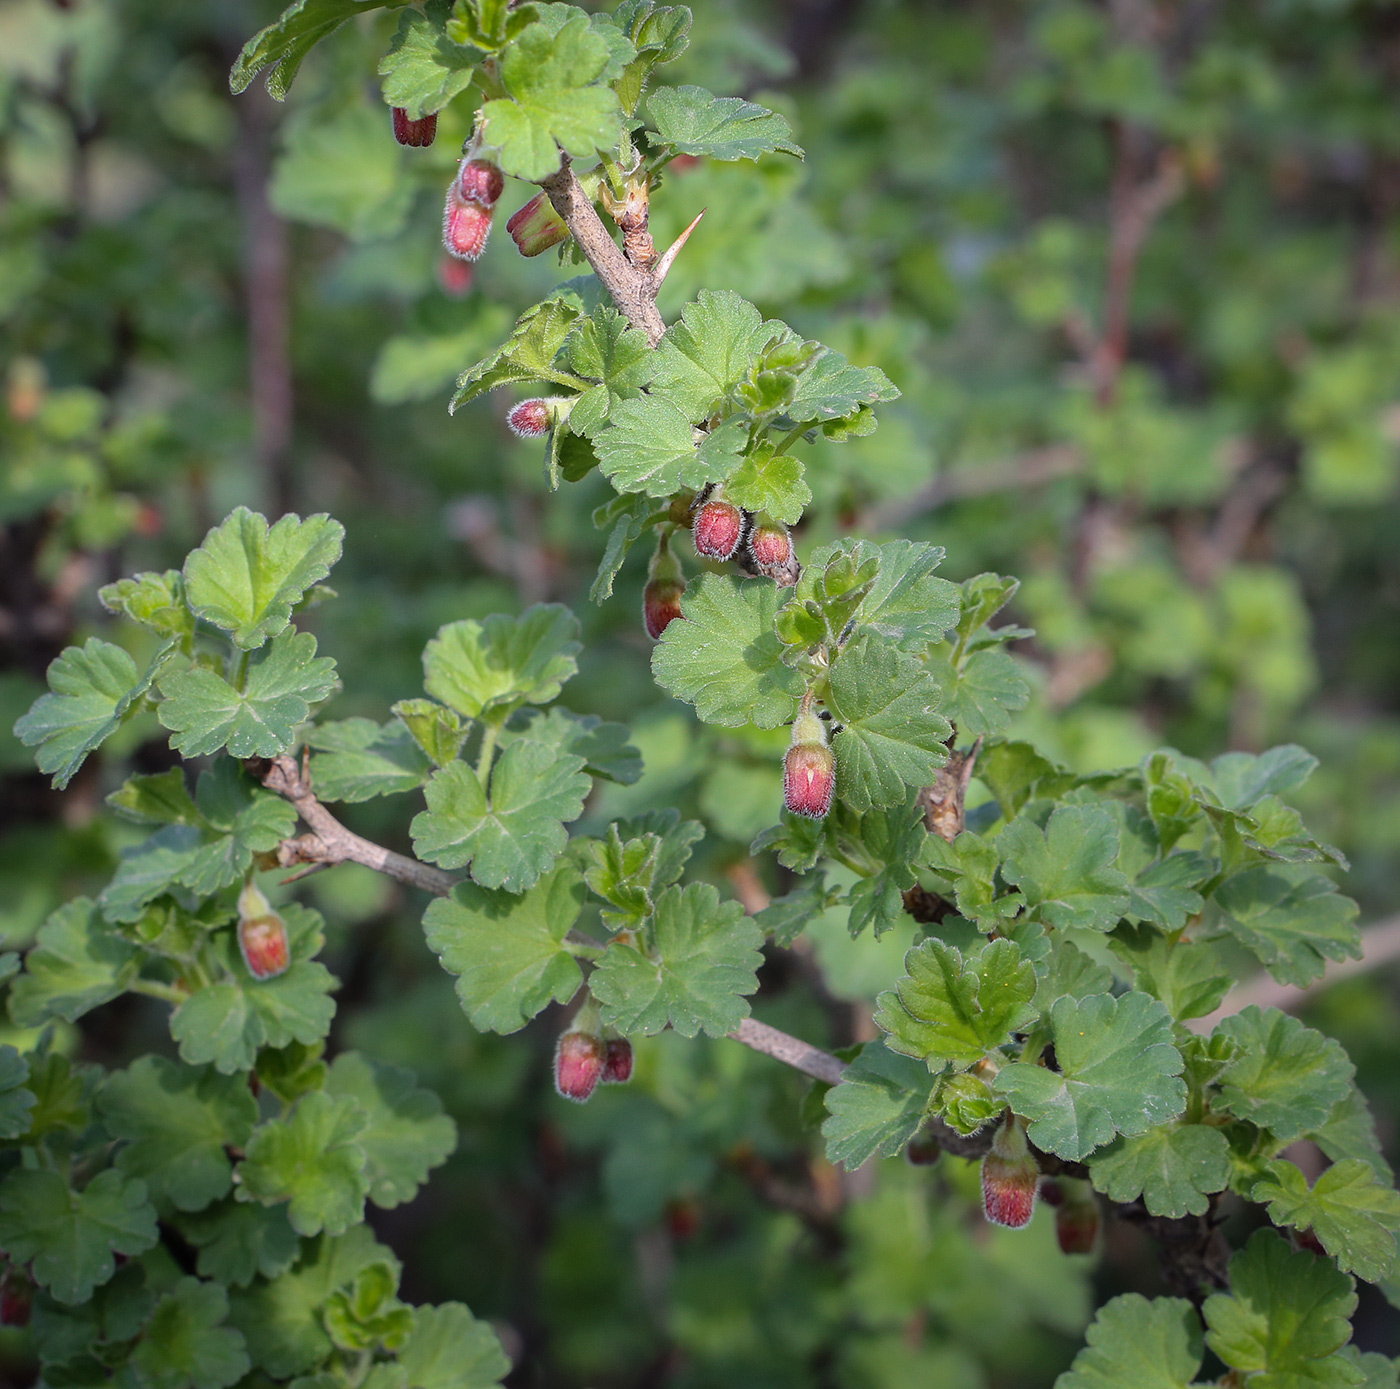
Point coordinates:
[[470, 206], [583, 1060]]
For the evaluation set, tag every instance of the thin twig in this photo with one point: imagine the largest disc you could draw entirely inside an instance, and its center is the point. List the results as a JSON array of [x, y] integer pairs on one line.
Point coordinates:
[[791, 1051]]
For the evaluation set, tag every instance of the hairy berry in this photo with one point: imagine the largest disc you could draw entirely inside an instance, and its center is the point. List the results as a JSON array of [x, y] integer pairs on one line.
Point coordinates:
[[530, 419], [661, 605], [479, 181], [419, 133], [465, 227], [262, 936], [1009, 1177], [809, 769], [617, 1064], [579, 1060], [770, 547], [537, 226], [717, 530]]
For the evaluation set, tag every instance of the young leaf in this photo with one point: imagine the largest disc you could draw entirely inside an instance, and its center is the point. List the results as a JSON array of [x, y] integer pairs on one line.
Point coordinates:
[[1243, 779], [486, 669], [649, 446], [526, 355], [77, 964], [706, 955], [693, 121], [877, 1108], [507, 951], [554, 103], [1285, 1312], [625, 518], [513, 836], [312, 1159], [154, 600], [1066, 873], [1174, 1168], [407, 1134], [831, 388], [247, 579], [724, 658], [708, 351], [1284, 1077], [1148, 1345], [206, 713], [439, 732], [283, 45], [238, 1241], [423, 69], [185, 1343], [177, 1122], [1118, 1073], [1356, 1216], [950, 1010], [360, 759], [69, 1237], [763, 482], [892, 736]]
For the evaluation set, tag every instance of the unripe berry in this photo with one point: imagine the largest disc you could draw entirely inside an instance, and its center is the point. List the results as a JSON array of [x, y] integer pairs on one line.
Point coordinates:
[[530, 419], [262, 936], [465, 227], [661, 605], [717, 529], [809, 769], [923, 1150], [770, 546], [617, 1065], [579, 1060], [1009, 1177], [480, 181], [419, 133], [537, 226]]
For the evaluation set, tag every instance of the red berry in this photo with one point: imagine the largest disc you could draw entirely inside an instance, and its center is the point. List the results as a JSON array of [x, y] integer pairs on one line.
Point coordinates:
[[419, 133], [1009, 1178], [263, 941], [537, 226], [617, 1065], [455, 277], [661, 605], [923, 1150], [1052, 1193], [809, 779], [1077, 1225], [530, 419], [770, 546], [480, 181], [717, 530], [578, 1065], [465, 227]]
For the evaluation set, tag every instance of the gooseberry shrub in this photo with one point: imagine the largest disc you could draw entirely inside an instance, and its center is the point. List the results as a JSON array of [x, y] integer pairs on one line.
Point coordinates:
[[198, 1217]]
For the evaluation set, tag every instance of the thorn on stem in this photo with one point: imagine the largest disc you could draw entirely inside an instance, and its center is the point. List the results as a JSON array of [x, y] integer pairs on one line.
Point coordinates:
[[663, 266]]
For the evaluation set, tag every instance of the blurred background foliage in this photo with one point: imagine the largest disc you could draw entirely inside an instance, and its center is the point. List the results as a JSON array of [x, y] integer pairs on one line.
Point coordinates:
[[1136, 268]]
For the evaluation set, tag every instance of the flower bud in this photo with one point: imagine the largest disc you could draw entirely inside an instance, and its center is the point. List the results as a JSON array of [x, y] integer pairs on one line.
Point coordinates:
[[537, 226], [419, 133], [717, 529], [579, 1060], [455, 277], [531, 419], [1009, 1177], [770, 546], [465, 227], [809, 769], [262, 935], [1077, 1221], [617, 1064], [661, 605], [479, 181]]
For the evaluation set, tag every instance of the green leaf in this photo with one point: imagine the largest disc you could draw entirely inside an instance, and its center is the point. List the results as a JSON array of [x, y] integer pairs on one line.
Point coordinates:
[[313, 1160], [626, 518], [159, 799], [229, 1022], [206, 713], [892, 736], [16, 1102], [448, 1349], [604, 747], [724, 658], [69, 1237], [1356, 1216], [1067, 872], [1284, 1313], [177, 1122], [1148, 1345], [154, 600], [649, 446], [507, 951], [1118, 1073], [950, 1010], [1285, 1077], [238, 1241], [708, 351], [623, 873], [1163, 892], [786, 917], [877, 1108], [439, 732], [1174, 1168], [513, 836], [1243, 779], [247, 579], [1350, 1132], [763, 482], [981, 697], [554, 103], [1066, 971], [186, 1344], [1292, 918], [692, 121], [360, 759], [832, 388], [423, 69], [486, 669], [704, 960], [94, 687], [407, 1134], [526, 355], [77, 964], [604, 347], [1189, 977], [283, 45]]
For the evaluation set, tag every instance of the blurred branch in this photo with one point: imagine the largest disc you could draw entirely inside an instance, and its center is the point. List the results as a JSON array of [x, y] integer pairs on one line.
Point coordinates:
[[791, 1051]]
